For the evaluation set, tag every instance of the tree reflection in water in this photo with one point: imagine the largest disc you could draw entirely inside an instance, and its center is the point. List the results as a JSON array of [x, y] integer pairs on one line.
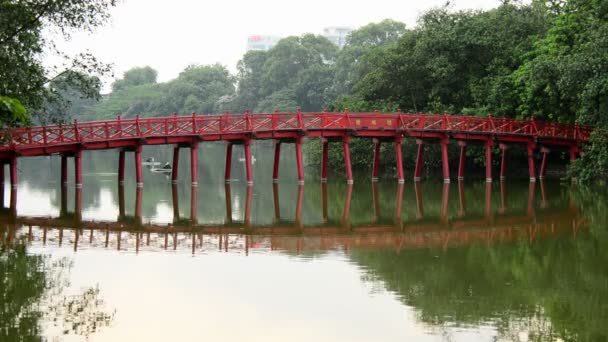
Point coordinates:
[[32, 290]]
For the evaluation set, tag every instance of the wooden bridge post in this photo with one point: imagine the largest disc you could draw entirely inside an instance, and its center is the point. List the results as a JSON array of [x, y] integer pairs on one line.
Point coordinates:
[[376, 165], [324, 211], [462, 161], [64, 170], [399, 205], [139, 194], [2, 175], [445, 197], [64, 201], [277, 159], [78, 168], [139, 177], [489, 144], [276, 203], [228, 167], [248, 204], [121, 167], [13, 172], [503, 161], [121, 202], [346, 211], [376, 202], [175, 166], [78, 205], [444, 159], [194, 204], [299, 160], [248, 165], [228, 199], [398, 157], [461, 200], [531, 166], [299, 204], [488, 201], [194, 164], [347, 164], [175, 199], [419, 204], [324, 159], [419, 160], [503, 197], [543, 166], [573, 151]]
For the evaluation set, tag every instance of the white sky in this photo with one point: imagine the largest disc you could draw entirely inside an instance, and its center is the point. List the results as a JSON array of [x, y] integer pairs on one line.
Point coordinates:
[[169, 35]]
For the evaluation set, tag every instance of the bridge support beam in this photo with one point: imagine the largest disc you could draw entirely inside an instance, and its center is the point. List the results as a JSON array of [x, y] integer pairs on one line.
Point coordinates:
[[324, 159], [194, 164], [444, 159], [419, 160], [376, 165], [121, 167], [531, 166], [300, 160], [194, 204], [78, 168], [64, 170], [573, 151], [228, 167], [228, 199], [13, 173], [543, 165], [175, 166], [2, 178], [503, 161], [349, 171], [139, 176], [398, 157], [248, 165], [277, 159], [489, 144], [462, 161]]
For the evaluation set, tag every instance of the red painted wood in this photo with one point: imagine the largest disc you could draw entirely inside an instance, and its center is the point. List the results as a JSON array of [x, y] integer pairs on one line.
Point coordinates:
[[531, 166], [419, 161], [399, 158], [194, 204], [248, 165], [489, 145], [13, 173], [503, 162], [444, 160], [376, 165], [78, 168], [121, 167], [175, 167], [139, 176], [299, 161], [543, 166], [347, 163], [462, 161], [194, 163], [324, 159], [228, 167], [64, 170], [277, 159]]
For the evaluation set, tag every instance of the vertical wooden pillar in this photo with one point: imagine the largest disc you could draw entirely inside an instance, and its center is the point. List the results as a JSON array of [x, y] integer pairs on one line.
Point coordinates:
[[139, 193], [489, 144], [531, 166], [445, 198], [64, 201], [121, 202], [248, 165], [324, 202], [277, 159], [121, 167], [194, 204], [194, 163], [299, 160], [543, 165], [461, 200], [419, 160], [503, 162], [228, 167], [399, 205], [399, 158], [444, 160], [175, 198], [228, 198], [503, 197], [347, 164], [376, 165], [462, 161], [299, 204], [13, 172], [2, 175], [78, 168], [324, 159], [64, 170], [488, 201], [175, 167], [78, 205], [419, 204], [139, 177], [248, 203], [573, 151]]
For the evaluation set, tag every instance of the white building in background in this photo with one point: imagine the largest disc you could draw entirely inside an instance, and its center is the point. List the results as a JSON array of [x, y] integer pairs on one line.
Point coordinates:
[[261, 42], [337, 34]]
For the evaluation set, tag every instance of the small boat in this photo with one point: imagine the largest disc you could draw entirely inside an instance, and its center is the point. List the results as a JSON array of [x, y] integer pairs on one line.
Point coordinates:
[[165, 169], [150, 161]]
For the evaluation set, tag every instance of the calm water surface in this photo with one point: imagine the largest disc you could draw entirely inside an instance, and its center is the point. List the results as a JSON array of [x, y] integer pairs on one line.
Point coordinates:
[[370, 262]]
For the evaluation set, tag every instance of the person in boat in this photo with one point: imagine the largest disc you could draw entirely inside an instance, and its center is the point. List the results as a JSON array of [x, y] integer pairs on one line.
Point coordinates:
[[167, 166]]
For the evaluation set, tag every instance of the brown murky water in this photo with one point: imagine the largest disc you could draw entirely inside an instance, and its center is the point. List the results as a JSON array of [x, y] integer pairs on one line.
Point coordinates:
[[370, 262]]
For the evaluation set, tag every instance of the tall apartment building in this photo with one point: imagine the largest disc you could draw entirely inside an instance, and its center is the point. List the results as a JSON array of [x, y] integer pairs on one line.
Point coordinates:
[[337, 34]]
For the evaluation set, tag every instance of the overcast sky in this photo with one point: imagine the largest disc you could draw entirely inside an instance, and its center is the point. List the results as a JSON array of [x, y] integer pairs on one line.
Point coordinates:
[[169, 35]]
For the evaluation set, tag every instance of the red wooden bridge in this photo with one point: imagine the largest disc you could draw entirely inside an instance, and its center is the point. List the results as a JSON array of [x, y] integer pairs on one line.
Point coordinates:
[[70, 140]]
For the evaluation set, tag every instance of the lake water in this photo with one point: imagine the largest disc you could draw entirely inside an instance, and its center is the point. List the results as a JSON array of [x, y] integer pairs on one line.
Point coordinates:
[[467, 261]]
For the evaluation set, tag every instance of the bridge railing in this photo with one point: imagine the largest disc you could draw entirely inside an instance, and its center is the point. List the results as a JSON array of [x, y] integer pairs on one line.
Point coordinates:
[[244, 123]]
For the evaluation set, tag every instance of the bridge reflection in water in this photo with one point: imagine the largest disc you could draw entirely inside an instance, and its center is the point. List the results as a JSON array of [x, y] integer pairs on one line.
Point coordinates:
[[496, 223]]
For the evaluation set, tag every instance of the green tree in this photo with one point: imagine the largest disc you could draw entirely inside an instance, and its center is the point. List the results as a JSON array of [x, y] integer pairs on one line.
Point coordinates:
[[134, 77]]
